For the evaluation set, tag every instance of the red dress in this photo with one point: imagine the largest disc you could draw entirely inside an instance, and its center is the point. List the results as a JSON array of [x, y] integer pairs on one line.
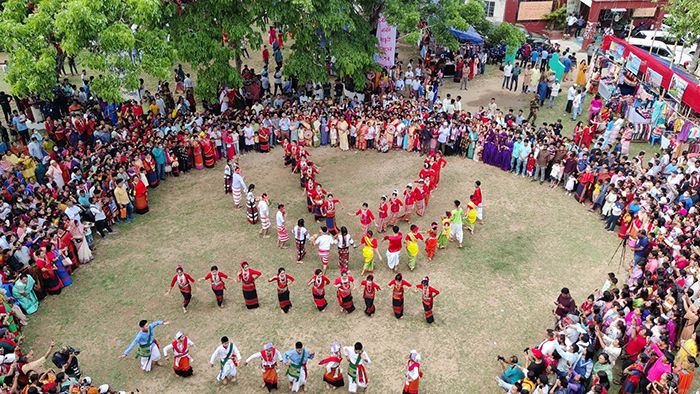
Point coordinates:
[[318, 290], [250, 293], [345, 293]]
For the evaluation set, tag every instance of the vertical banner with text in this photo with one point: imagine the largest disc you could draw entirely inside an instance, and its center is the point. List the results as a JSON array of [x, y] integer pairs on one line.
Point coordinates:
[[386, 35]]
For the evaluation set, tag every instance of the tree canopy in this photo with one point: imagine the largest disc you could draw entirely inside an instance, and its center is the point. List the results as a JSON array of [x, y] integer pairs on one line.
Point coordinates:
[[120, 40]]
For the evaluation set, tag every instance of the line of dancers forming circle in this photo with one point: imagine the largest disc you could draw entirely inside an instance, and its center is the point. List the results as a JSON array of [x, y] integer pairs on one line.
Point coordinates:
[[228, 359]]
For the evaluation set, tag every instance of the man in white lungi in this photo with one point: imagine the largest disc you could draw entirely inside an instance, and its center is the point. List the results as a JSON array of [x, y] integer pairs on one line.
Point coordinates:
[[228, 356], [147, 350]]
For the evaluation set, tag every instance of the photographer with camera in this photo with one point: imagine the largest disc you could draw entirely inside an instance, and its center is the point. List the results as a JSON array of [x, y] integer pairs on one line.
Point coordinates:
[[67, 360], [512, 372]]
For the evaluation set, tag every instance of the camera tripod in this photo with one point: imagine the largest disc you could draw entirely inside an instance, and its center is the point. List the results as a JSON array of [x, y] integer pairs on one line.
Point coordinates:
[[622, 245]]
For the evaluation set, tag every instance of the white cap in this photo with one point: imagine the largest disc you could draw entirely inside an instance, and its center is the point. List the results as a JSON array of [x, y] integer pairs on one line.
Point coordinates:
[[103, 389], [335, 347], [179, 334], [267, 346], [415, 356]]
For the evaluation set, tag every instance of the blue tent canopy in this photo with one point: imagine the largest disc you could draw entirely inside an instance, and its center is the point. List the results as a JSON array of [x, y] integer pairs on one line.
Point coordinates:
[[468, 36]]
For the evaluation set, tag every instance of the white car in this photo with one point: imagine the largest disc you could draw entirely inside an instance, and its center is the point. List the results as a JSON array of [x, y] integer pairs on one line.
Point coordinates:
[[669, 39], [662, 50]]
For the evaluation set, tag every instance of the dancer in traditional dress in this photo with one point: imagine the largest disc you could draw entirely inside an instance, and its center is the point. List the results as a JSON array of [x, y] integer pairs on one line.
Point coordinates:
[[228, 356], [393, 251], [358, 360], [323, 241], [228, 173], [419, 198], [328, 210], [479, 201], [444, 236], [283, 280], [182, 360], [366, 217], [148, 351], [281, 220], [369, 250], [264, 211], [395, 205], [333, 376], [318, 283], [247, 277], [344, 242], [456, 219], [370, 289], [345, 283], [269, 357], [412, 249], [431, 242], [300, 235], [397, 291], [428, 294], [413, 374], [472, 214], [238, 187], [407, 203], [218, 285], [185, 282], [296, 360], [383, 214], [251, 205]]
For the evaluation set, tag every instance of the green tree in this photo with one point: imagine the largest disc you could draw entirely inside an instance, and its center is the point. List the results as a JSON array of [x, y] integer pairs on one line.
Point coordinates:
[[440, 16], [119, 39], [507, 34], [686, 16]]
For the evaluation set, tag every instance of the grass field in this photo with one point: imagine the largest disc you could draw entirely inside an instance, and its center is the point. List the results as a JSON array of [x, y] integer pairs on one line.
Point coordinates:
[[496, 293]]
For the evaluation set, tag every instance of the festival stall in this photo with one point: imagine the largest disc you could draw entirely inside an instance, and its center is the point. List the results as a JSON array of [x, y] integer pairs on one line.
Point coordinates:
[[658, 98]]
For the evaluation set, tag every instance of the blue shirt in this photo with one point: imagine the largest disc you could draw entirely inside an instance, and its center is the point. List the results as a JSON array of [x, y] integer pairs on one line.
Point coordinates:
[[159, 155], [567, 64], [516, 148], [642, 242], [297, 358], [143, 337], [634, 208]]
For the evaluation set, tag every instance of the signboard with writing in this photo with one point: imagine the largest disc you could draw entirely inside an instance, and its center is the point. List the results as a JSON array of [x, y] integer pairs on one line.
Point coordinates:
[[677, 87], [616, 50], [654, 79], [386, 35], [534, 10], [633, 63]]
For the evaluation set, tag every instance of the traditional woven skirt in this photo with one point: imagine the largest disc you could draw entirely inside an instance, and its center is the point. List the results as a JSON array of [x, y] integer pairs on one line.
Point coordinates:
[[285, 303]]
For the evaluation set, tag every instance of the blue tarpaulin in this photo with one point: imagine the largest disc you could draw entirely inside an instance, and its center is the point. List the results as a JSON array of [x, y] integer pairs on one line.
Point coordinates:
[[468, 36]]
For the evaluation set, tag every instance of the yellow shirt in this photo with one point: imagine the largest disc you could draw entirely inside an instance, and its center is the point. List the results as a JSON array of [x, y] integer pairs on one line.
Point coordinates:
[[121, 196]]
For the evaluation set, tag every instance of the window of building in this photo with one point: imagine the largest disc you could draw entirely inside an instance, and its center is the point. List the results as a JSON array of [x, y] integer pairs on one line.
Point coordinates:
[[489, 6]]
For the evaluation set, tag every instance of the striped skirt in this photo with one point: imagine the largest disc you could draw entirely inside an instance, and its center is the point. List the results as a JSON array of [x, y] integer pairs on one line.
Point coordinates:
[[265, 222], [285, 303], [236, 192], [282, 234], [325, 257], [250, 295], [319, 298], [397, 304]]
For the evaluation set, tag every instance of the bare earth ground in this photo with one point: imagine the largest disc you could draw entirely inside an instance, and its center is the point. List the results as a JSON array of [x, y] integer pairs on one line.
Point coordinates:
[[496, 296], [496, 292]]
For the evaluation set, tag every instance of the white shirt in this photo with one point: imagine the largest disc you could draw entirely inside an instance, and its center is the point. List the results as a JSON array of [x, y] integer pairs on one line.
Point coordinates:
[[73, 213], [170, 347], [264, 208], [507, 70], [300, 233], [571, 93], [555, 89], [220, 353], [324, 241], [279, 218]]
